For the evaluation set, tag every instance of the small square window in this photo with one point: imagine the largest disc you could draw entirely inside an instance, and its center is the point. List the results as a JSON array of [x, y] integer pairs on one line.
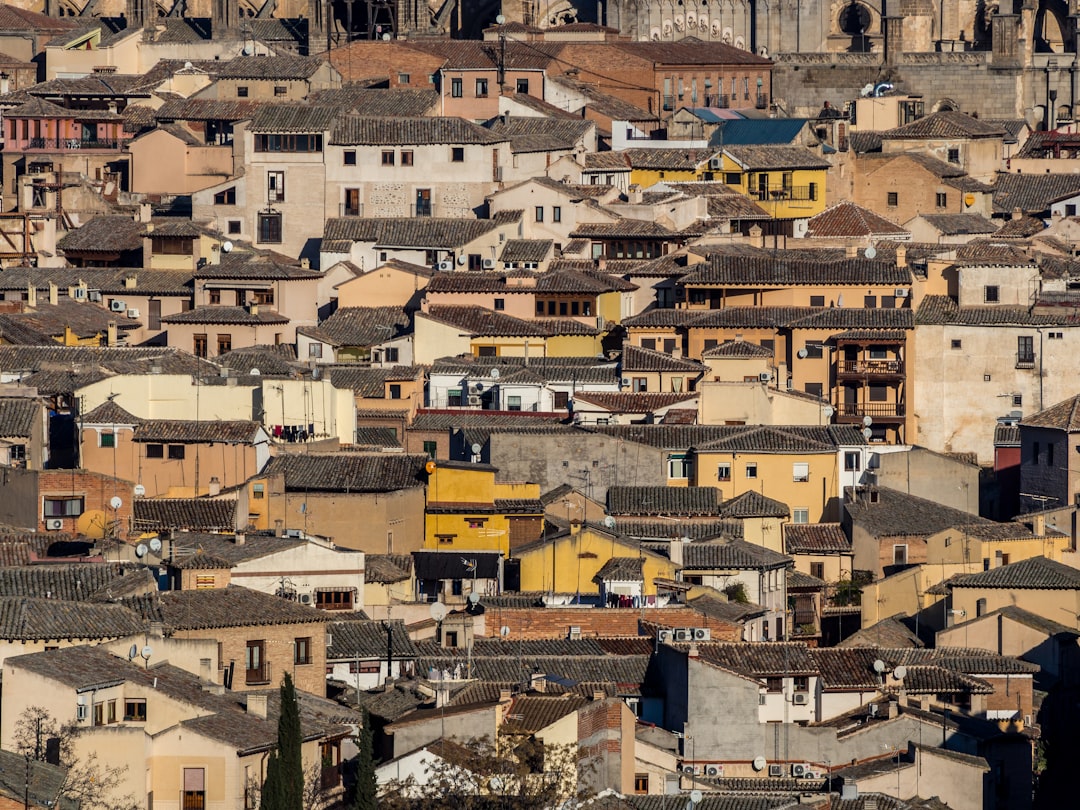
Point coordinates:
[[314, 350], [956, 344], [892, 199], [457, 154], [258, 491], [155, 451], [1018, 400], [500, 304], [800, 514], [406, 157], [388, 157], [817, 300], [235, 226], [991, 294], [954, 155], [349, 157], [942, 200], [176, 452], [280, 90], [751, 469], [800, 472], [986, 378], [404, 78], [241, 92], [107, 440], [522, 86]]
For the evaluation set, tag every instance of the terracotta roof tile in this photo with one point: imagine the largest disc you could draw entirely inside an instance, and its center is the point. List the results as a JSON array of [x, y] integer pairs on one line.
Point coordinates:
[[661, 500], [754, 158], [815, 538], [349, 472], [355, 130], [187, 514], [848, 220], [181, 431], [947, 124]]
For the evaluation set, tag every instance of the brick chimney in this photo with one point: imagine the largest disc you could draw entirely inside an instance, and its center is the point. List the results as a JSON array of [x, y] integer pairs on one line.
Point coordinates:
[[53, 293]]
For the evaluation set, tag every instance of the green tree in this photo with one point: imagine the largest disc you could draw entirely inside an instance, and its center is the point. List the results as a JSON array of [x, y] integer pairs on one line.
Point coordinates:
[[365, 789], [284, 785]]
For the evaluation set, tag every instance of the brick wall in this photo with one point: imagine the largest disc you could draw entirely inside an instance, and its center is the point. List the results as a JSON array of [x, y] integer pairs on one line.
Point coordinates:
[[95, 489], [536, 623]]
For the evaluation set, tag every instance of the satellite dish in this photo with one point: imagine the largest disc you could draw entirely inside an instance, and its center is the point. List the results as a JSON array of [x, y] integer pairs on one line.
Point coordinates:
[[188, 66], [115, 502], [385, 37], [504, 631], [146, 651], [867, 433], [900, 672], [867, 421], [246, 51], [429, 468], [695, 796], [226, 247], [803, 353], [500, 20], [461, 260], [479, 386], [476, 448], [759, 763], [139, 490], [155, 545], [870, 252], [828, 411], [134, 651], [495, 374], [140, 550], [438, 611], [92, 524], [609, 521], [474, 598], [255, 372], [879, 666]]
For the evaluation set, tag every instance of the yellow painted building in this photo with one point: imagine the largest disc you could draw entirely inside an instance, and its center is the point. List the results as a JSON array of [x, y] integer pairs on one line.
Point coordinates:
[[651, 166], [979, 547], [571, 560], [467, 509], [786, 181]]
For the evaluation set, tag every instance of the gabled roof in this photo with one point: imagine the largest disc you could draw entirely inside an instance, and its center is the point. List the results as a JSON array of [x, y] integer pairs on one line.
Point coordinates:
[[527, 250], [621, 569], [632, 402], [542, 134], [755, 158], [737, 348], [662, 500], [239, 316], [480, 322], [83, 582], [407, 232], [188, 514], [1061, 416], [109, 413], [20, 418], [276, 66], [947, 124], [732, 554], [355, 130], [111, 233], [293, 118], [349, 472], [940, 309], [367, 101], [815, 538], [848, 220], [794, 438], [235, 431], [636, 358], [228, 607], [752, 504], [362, 326], [1034, 573], [692, 51], [759, 271], [960, 224], [1032, 193], [896, 514], [890, 632], [24, 618], [368, 639]]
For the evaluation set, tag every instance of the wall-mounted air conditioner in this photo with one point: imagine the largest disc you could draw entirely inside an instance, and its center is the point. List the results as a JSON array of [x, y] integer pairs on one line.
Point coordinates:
[[684, 634], [715, 771], [489, 264], [117, 305], [702, 634], [776, 770], [800, 698], [446, 266], [54, 524]]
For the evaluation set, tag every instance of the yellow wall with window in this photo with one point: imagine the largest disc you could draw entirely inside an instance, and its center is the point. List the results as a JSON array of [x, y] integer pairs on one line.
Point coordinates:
[[800, 184], [461, 508]]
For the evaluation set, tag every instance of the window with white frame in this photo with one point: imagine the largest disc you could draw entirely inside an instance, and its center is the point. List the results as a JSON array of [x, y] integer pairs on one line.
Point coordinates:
[[800, 514], [723, 471], [679, 466], [800, 472]]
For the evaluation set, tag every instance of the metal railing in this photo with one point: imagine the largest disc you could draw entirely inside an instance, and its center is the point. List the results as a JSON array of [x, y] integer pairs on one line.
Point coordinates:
[[870, 409], [762, 101], [259, 675], [346, 210], [870, 367], [773, 193], [72, 144], [1025, 360]]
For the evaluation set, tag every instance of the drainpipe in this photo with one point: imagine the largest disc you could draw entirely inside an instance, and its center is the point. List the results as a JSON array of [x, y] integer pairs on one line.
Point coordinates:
[[1039, 330]]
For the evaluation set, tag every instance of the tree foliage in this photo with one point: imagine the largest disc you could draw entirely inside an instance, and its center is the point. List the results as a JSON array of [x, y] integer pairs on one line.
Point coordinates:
[[283, 788], [366, 788]]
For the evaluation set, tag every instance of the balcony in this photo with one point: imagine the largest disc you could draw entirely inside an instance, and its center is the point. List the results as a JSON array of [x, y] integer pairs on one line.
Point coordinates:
[[717, 100], [258, 676], [1025, 360], [871, 368], [779, 193], [330, 777], [347, 210], [875, 410], [73, 144]]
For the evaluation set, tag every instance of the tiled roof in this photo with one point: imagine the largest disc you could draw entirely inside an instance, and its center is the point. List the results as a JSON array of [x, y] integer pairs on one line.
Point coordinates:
[[769, 439], [418, 232], [863, 142], [377, 438], [752, 504], [731, 554], [207, 109], [635, 358], [627, 672], [792, 438], [725, 610], [354, 130], [1034, 573], [20, 418], [555, 280], [176, 430], [25, 619], [615, 161], [1020, 228], [528, 714], [815, 538], [621, 569], [230, 607], [277, 66], [660, 529], [255, 266], [293, 118], [722, 269], [273, 360], [478, 321], [76, 582], [890, 632], [104, 234], [949, 125], [349, 472], [760, 660], [661, 500], [848, 220], [685, 160], [692, 51], [371, 382], [541, 134], [940, 309], [387, 568], [364, 326], [373, 102], [13, 18], [1032, 193], [838, 318], [526, 250], [756, 158], [737, 348], [1060, 416], [367, 639], [960, 224], [632, 402], [1006, 436], [191, 514], [226, 315], [897, 514], [103, 360], [623, 228]]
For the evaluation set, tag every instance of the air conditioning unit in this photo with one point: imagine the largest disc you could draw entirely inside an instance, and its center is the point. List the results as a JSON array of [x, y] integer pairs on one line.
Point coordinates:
[[133, 313], [702, 634], [94, 295], [800, 698], [305, 599], [474, 400], [902, 292], [664, 635], [800, 770], [715, 771], [684, 634], [716, 164], [690, 769], [117, 305], [765, 376], [54, 524], [446, 266], [489, 264], [776, 770]]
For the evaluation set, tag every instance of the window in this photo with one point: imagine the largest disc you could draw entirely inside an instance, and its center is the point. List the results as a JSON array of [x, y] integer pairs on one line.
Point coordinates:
[[269, 230], [280, 90], [513, 403], [481, 88], [314, 350], [899, 554], [852, 461], [395, 391], [455, 88], [226, 196], [817, 569], [956, 344], [404, 78], [302, 651], [539, 213], [1018, 400], [639, 384], [801, 683], [176, 452], [751, 469], [813, 350], [194, 797], [723, 472], [431, 449], [388, 157], [155, 451], [224, 344], [980, 607], [815, 389], [334, 600], [200, 341], [556, 213], [869, 301], [522, 85], [349, 157], [241, 92], [1025, 350], [800, 472], [678, 466], [99, 714], [954, 155], [641, 783], [63, 507], [135, 710], [991, 293], [817, 300], [457, 154], [106, 440], [941, 200], [500, 304], [112, 711], [1055, 335], [879, 393], [454, 398], [235, 227], [561, 400], [406, 157], [258, 491], [288, 143], [774, 685], [892, 200]]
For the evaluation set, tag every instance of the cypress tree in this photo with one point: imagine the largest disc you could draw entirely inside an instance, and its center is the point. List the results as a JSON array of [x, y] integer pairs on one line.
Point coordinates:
[[283, 788], [270, 796], [365, 788]]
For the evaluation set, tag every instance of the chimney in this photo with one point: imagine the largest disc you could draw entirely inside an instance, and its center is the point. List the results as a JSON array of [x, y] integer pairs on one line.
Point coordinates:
[[305, 264], [536, 681], [205, 670], [256, 705], [131, 282], [634, 195], [505, 696], [894, 709], [675, 551], [598, 695], [1017, 214], [253, 308], [901, 256], [111, 338], [53, 293], [1038, 525], [31, 295], [692, 652], [215, 487], [851, 251], [146, 211], [239, 539], [157, 629]]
